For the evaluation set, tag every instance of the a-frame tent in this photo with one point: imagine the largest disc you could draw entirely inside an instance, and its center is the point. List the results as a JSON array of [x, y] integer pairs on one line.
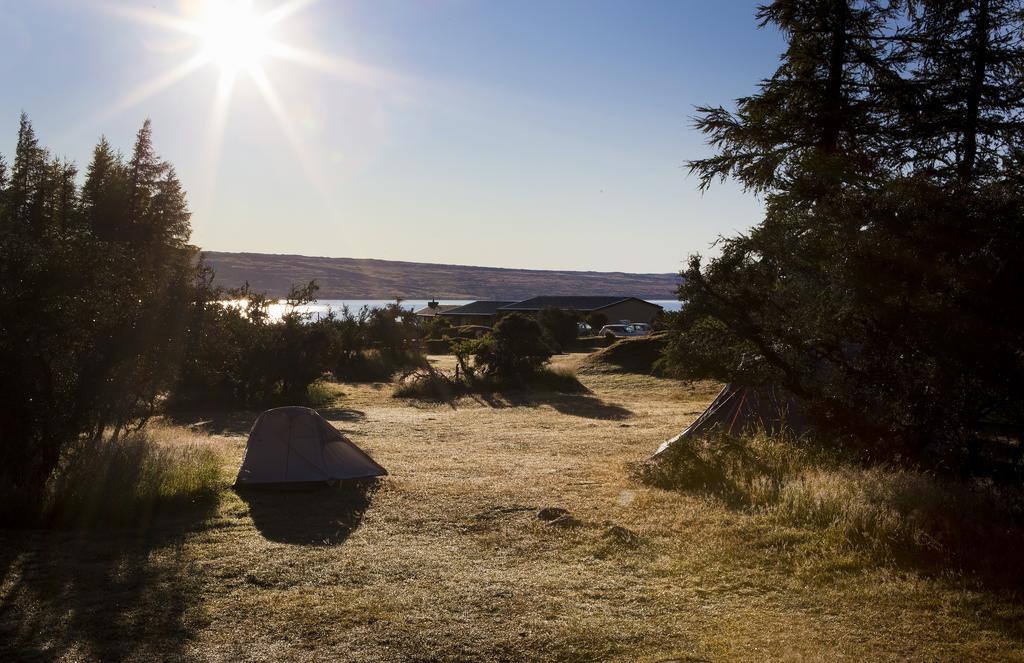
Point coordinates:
[[738, 410], [297, 445]]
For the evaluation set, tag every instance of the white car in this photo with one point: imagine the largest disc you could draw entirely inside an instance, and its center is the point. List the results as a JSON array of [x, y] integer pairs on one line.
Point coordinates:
[[641, 329], [618, 331], [626, 329]]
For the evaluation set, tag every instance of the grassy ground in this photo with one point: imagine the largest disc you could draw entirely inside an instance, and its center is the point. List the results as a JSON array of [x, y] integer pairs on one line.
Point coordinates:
[[446, 559]]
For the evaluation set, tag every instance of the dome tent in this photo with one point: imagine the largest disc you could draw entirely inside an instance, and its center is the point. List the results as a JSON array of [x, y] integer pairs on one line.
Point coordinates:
[[296, 445], [738, 410]]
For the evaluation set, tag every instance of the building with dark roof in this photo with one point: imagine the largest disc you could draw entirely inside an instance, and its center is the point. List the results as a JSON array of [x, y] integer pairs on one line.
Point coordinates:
[[429, 311], [613, 309], [483, 312]]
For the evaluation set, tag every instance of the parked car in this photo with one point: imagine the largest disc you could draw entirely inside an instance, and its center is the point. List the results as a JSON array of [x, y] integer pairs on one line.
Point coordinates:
[[641, 329], [583, 329], [618, 331], [626, 329]]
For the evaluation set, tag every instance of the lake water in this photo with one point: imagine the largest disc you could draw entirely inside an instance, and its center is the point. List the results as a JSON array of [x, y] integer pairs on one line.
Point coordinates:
[[323, 306]]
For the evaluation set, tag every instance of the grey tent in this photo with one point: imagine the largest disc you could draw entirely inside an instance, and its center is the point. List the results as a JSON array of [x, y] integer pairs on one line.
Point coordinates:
[[737, 410], [295, 444]]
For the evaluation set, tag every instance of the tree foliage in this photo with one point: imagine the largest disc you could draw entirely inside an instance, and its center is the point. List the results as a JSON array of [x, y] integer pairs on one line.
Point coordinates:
[[513, 351], [878, 286], [91, 302], [560, 326], [237, 355]]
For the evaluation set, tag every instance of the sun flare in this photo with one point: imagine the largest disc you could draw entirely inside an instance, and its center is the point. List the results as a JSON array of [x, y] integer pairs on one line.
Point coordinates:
[[234, 36], [238, 38]]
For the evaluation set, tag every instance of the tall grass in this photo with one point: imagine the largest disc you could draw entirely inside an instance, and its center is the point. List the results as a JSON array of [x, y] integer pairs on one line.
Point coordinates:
[[893, 514], [131, 480]]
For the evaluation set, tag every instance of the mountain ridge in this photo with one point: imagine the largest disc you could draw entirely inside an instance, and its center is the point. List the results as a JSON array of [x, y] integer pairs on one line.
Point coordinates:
[[375, 278]]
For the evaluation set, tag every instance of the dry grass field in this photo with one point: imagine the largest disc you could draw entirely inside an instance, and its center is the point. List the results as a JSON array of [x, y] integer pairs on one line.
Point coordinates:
[[446, 558]]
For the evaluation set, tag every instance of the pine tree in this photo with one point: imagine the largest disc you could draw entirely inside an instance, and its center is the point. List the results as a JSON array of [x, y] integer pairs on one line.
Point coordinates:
[[106, 329], [824, 103], [59, 194], [26, 177], [144, 173], [888, 147], [4, 186], [169, 221], [66, 203], [970, 86], [104, 194]]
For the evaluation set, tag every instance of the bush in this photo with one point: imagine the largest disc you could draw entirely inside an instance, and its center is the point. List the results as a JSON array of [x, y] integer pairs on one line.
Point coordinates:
[[128, 481], [430, 384], [556, 378], [643, 354], [596, 321], [559, 325], [238, 357], [437, 346], [513, 351], [374, 344], [437, 327], [365, 366], [435, 385], [468, 331]]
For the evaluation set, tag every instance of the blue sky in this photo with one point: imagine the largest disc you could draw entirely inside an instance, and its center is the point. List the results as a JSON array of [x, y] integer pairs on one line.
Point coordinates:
[[516, 134]]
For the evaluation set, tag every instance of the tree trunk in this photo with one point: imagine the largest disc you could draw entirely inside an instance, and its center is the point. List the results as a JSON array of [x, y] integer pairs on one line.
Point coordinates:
[[833, 111], [979, 56]]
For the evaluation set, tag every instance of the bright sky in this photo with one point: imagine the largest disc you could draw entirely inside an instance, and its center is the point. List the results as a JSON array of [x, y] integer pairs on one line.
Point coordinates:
[[539, 134]]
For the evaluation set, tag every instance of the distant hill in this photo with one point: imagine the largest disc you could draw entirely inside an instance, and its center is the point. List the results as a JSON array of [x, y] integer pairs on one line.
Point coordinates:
[[358, 278]]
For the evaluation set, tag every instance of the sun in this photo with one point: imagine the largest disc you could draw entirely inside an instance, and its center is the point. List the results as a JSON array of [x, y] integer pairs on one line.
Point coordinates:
[[234, 36], [237, 38]]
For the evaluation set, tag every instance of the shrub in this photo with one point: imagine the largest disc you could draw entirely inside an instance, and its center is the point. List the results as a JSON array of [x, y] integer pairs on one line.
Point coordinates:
[[127, 481], [556, 378], [643, 354], [437, 346], [559, 325], [513, 351], [239, 357], [437, 327], [597, 320], [468, 331], [365, 366], [374, 344], [430, 384]]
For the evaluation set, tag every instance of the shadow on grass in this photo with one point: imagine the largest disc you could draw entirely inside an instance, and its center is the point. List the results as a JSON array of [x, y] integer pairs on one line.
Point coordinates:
[[101, 594], [313, 515], [341, 414], [563, 393], [586, 406]]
